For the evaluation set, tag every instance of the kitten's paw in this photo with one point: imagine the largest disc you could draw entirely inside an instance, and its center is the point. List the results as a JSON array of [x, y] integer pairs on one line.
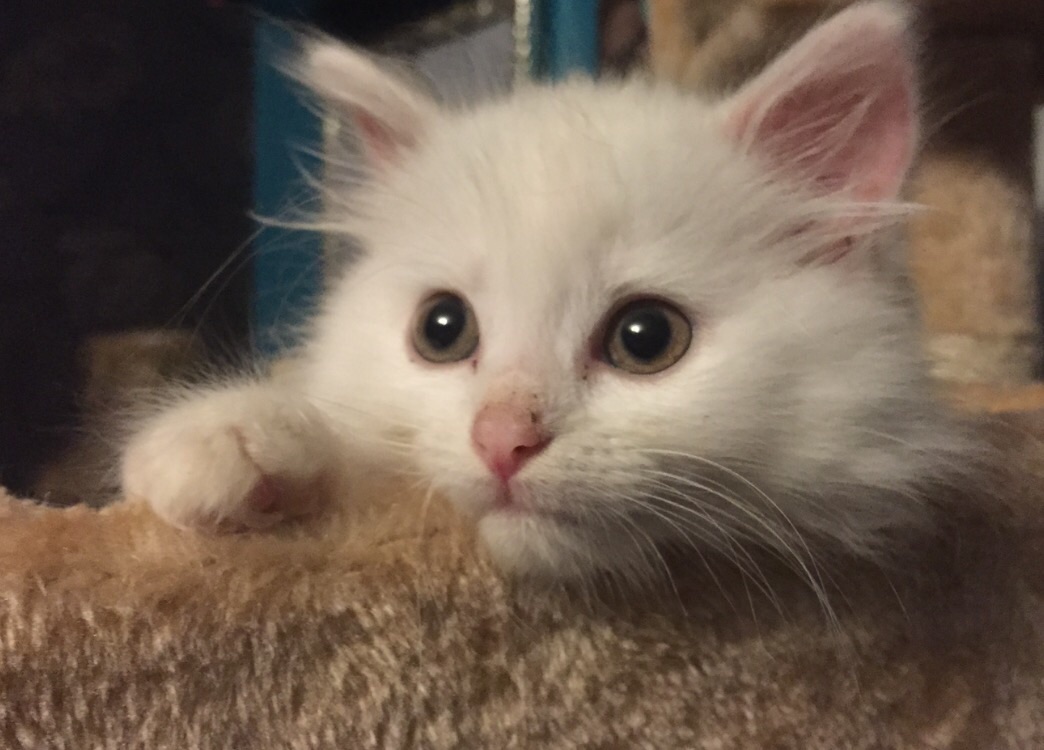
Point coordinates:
[[245, 458]]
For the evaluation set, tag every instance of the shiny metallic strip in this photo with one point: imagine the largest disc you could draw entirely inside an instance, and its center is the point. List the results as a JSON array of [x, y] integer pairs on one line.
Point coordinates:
[[523, 40]]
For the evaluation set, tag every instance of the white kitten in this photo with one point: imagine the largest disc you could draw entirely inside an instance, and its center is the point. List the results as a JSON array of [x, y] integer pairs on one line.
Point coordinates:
[[601, 317]]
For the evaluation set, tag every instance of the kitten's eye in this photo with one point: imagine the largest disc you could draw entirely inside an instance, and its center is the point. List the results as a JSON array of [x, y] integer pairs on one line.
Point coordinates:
[[647, 336], [446, 329]]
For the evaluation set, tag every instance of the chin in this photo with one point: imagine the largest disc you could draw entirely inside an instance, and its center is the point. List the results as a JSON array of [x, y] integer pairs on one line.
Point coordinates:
[[543, 547], [528, 545]]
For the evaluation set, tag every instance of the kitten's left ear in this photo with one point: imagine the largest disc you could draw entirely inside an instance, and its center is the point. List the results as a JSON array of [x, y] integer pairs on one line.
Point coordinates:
[[388, 113], [838, 110]]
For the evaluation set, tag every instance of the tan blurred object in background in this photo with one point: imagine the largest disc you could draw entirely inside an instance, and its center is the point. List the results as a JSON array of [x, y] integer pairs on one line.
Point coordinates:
[[121, 370], [972, 252]]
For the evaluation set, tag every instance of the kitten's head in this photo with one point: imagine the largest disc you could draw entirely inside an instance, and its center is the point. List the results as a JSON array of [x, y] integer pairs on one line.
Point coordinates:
[[608, 317]]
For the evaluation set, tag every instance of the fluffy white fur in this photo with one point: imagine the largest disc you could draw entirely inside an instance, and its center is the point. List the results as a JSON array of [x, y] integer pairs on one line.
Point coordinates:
[[800, 417]]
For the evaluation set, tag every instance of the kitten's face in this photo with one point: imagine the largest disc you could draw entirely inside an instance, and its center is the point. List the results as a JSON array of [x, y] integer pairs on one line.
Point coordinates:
[[592, 322]]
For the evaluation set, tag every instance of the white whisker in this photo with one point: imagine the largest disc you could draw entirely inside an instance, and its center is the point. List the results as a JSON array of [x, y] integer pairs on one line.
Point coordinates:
[[773, 535]]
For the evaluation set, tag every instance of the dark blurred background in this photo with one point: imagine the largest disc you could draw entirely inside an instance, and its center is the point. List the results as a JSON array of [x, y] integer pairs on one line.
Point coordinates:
[[125, 186]]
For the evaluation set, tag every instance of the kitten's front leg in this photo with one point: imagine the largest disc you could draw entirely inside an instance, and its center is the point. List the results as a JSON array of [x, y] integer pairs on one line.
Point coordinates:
[[241, 457]]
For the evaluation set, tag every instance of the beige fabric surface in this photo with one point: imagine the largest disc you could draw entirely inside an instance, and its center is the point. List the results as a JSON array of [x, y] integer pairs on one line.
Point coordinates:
[[391, 630]]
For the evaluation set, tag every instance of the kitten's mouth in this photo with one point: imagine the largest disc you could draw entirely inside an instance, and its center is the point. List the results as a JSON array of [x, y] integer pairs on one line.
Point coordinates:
[[507, 502]]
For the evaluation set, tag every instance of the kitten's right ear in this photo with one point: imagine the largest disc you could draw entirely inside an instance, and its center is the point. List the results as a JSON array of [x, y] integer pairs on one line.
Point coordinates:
[[388, 113], [837, 110]]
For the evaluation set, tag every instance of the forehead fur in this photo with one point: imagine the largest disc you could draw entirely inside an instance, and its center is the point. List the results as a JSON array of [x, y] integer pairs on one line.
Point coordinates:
[[570, 182]]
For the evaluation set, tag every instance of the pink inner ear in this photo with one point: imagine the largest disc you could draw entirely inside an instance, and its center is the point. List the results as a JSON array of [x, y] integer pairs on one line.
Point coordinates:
[[379, 142], [837, 110], [842, 138], [375, 138]]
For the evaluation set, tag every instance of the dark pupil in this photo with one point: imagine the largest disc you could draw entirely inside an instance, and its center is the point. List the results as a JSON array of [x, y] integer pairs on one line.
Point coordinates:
[[445, 323], [646, 334]]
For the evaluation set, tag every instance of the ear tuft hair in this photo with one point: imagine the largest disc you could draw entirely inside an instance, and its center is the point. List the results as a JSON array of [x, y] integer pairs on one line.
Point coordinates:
[[389, 114]]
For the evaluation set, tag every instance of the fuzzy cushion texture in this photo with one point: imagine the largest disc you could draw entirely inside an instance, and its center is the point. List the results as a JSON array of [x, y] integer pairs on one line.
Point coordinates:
[[390, 629]]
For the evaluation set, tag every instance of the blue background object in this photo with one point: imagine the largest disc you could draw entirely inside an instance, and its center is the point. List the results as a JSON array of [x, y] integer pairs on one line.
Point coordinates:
[[565, 37], [287, 268]]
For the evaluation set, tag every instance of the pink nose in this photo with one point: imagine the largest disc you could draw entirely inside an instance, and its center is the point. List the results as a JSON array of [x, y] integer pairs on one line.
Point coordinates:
[[506, 436]]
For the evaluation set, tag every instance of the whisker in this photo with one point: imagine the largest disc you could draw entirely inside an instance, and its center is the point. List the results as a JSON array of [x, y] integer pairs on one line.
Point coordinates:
[[806, 563], [736, 475], [621, 516], [736, 553]]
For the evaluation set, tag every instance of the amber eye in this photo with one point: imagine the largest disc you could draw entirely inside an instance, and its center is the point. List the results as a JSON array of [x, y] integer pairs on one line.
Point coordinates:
[[646, 336], [446, 329]]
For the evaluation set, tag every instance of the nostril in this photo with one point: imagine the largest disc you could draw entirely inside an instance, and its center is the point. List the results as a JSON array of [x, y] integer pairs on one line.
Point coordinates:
[[523, 453], [506, 463]]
